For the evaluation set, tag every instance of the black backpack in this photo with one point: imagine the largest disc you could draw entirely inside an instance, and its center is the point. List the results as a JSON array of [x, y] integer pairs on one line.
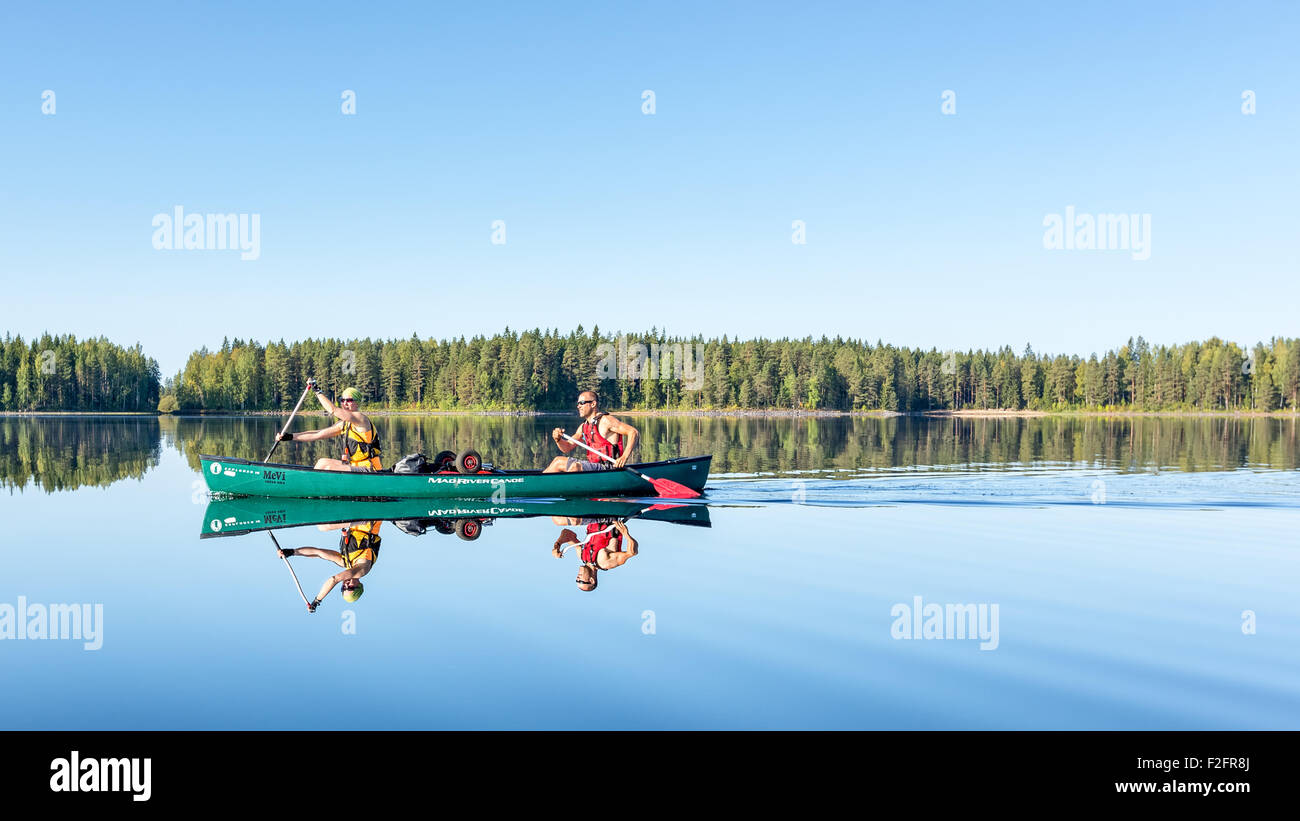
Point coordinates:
[[415, 463], [411, 526]]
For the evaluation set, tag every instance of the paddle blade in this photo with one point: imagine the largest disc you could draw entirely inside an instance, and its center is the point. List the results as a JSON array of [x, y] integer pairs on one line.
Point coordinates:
[[673, 490]]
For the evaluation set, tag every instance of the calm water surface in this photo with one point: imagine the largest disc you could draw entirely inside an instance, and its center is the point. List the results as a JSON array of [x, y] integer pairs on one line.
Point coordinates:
[[1122, 556]]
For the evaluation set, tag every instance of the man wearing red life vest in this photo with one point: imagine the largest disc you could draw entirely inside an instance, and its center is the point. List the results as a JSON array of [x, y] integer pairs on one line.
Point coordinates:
[[599, 430], [603, 549]]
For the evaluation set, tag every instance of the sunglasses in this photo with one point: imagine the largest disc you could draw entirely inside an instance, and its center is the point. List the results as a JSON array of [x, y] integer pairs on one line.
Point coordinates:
[[586, 402]]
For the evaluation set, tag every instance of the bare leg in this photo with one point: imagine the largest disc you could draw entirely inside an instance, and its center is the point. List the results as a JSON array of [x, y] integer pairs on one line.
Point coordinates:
[[332, 464], [557, 465]]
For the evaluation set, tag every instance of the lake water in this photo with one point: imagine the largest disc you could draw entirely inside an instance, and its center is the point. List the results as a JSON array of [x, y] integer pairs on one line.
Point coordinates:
[[1088, 573]]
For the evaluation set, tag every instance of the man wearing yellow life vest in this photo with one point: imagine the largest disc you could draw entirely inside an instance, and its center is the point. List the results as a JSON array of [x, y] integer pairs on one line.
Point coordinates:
[[602, 431], [358, 551], [360, 439]]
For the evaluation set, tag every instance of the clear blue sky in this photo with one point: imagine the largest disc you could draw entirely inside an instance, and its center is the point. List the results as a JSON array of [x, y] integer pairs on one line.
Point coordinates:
[[923, 229]]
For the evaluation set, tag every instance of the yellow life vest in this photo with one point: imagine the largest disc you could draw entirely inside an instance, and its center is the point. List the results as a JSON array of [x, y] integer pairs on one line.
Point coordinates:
[[361, 448], [360, 543]]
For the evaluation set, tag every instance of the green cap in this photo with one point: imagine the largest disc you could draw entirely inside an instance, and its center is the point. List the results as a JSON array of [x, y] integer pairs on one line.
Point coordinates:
[[350, 393], [354, 594]]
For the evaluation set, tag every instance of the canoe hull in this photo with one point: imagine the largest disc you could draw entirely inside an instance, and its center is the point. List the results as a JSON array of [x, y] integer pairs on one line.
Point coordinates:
[[241, 477], [243, 515]]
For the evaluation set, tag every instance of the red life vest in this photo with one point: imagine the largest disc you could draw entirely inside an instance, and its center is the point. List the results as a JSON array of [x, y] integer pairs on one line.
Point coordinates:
[[598, 539], [591, 436]]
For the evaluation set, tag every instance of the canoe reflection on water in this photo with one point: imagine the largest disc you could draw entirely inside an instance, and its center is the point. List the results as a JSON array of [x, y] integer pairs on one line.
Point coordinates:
[[594, 531]]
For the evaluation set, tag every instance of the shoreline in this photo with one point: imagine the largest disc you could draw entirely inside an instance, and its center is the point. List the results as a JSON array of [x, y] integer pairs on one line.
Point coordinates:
[[736, 413], [22, 414], [1244, 414]]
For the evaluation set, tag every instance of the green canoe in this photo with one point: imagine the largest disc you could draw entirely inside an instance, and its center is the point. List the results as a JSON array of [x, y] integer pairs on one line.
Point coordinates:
[[239, 516], [241, 477]]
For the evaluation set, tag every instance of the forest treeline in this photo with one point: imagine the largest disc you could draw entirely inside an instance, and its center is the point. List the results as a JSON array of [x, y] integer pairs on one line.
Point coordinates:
[[543, 370], [62, 373]]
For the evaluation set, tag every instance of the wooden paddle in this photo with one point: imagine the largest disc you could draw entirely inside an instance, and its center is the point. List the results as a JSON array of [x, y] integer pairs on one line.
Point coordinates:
[[664, 487]]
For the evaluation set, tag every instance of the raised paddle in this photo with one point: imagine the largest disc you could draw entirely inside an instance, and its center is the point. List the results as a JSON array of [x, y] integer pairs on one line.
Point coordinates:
[[664, 487], [311, 383]]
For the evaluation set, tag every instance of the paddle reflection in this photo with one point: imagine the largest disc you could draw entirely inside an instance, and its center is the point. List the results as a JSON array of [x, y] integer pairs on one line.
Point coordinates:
[[358, 551], [596, 532]]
